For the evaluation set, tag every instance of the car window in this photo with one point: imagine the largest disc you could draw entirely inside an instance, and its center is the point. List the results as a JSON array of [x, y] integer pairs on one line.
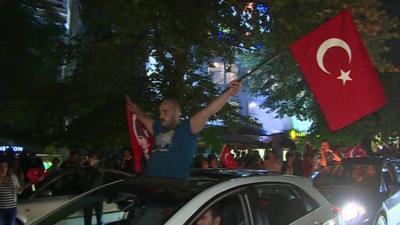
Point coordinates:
[[355, 174], [65, 185], [283, 203], [388, 175], [396, 169], [119, 203], [228, 209]]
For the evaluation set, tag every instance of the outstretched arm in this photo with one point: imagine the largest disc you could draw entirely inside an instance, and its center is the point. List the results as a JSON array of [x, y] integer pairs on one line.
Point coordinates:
[[142, 117], [200, 119]]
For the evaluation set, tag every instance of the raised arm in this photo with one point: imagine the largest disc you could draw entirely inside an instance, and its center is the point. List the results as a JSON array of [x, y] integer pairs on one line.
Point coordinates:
[[335, 157], [142, 117], [200, 119]]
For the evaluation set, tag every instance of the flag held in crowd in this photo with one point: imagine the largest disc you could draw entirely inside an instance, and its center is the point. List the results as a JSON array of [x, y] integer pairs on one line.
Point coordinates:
[[140, 138], [227, 158], [355, 152], [35, 175], [339, 72]]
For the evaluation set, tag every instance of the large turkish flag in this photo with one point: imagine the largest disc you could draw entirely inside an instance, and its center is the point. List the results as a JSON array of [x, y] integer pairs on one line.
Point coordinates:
[[339, 72]]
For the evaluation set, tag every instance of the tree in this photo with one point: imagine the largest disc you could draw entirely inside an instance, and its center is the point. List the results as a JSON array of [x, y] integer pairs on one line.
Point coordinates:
[[31, 54], [284, 85], [111, 59]]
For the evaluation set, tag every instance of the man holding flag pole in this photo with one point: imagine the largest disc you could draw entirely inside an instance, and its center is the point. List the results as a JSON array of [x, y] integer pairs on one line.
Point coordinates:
[[175, 140]]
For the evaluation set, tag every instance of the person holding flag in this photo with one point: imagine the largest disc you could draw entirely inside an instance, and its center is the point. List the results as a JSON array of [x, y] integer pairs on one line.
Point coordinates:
[[175, 139]]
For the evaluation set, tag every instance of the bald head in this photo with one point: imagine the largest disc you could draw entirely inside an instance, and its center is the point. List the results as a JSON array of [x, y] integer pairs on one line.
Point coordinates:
[[170, 113]]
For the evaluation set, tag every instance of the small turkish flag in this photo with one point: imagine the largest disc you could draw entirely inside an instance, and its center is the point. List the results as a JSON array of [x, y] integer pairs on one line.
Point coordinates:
[[35, 175], [355, 152], [227, 158], [140, 137], [339, 72]]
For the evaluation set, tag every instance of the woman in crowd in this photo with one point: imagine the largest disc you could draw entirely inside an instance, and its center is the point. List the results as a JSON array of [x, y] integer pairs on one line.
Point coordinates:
[[9, 186], [271, 162]]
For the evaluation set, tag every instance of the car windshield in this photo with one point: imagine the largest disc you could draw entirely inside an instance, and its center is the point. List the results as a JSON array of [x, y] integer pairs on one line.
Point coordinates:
[[138, 201], [361, 175]]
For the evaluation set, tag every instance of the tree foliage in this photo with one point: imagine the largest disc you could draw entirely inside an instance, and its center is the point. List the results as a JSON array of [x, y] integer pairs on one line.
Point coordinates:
[[31, 51], [110, 58], [284, 85]]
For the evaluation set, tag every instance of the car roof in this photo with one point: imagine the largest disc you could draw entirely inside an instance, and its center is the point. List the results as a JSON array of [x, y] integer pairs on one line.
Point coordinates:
[[366, 160], [197, 186], [223, 173]]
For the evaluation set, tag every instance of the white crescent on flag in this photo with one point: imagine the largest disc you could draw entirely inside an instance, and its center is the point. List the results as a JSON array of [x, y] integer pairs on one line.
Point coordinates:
[[325, 46]]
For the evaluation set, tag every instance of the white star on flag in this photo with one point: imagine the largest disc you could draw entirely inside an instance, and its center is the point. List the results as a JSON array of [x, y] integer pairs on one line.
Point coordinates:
[[344, 76]]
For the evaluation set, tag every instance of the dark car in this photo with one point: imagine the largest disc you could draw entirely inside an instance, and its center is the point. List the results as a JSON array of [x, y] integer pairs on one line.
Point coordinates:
[[366, 190]]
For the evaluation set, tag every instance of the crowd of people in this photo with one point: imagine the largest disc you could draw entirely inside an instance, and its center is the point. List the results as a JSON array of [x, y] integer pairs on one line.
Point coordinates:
[[300, 163], [295, 163]]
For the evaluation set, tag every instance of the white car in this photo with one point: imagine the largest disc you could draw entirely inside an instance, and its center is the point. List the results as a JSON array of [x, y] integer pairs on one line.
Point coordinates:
[[254, 200], [55, 190]]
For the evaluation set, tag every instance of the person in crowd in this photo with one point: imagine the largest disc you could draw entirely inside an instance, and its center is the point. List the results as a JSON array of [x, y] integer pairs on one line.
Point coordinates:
[[287, 165], [16, 170], [92, 160], [298, 163], [308, 149], [307, 167], [325, 157], [212, 216], [127, 161], [252, 160], [55, 162], [74, 161], [175, 139], [357, 173], [200, 162], [271, 162], [9, 187], [37, 161], [212, 161], [93, 176]]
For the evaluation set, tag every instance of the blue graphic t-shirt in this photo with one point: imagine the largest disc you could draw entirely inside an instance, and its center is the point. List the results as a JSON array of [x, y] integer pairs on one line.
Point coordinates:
[[173, 151]]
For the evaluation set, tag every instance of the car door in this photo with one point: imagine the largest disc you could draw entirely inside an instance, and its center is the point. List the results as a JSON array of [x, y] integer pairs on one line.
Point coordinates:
[[391, 177], [231, 208], [284, 204]]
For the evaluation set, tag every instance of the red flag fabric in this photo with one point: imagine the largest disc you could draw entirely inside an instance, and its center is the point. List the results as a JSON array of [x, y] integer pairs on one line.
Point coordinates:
[[339, 72], [227, 158], [140, 138], [35, 175], [355, 152]]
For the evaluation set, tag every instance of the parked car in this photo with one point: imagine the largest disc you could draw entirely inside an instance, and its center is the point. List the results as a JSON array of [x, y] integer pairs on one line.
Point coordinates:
[[367, 190], [56, 189], [252, 200]]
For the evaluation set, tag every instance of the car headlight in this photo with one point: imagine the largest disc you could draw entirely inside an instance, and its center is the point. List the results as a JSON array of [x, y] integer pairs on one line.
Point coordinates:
[[352, 211]]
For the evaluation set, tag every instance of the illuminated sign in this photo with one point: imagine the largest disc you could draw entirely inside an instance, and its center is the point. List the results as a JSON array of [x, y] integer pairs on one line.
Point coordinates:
[[295, 134], [4, 148]]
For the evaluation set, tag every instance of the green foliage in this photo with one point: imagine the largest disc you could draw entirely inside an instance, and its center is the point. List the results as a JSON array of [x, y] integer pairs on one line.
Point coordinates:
[[107, 60], [31, 55]]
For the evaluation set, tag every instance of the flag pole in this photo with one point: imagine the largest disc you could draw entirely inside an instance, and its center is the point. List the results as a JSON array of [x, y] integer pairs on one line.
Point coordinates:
[[258, 66]]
